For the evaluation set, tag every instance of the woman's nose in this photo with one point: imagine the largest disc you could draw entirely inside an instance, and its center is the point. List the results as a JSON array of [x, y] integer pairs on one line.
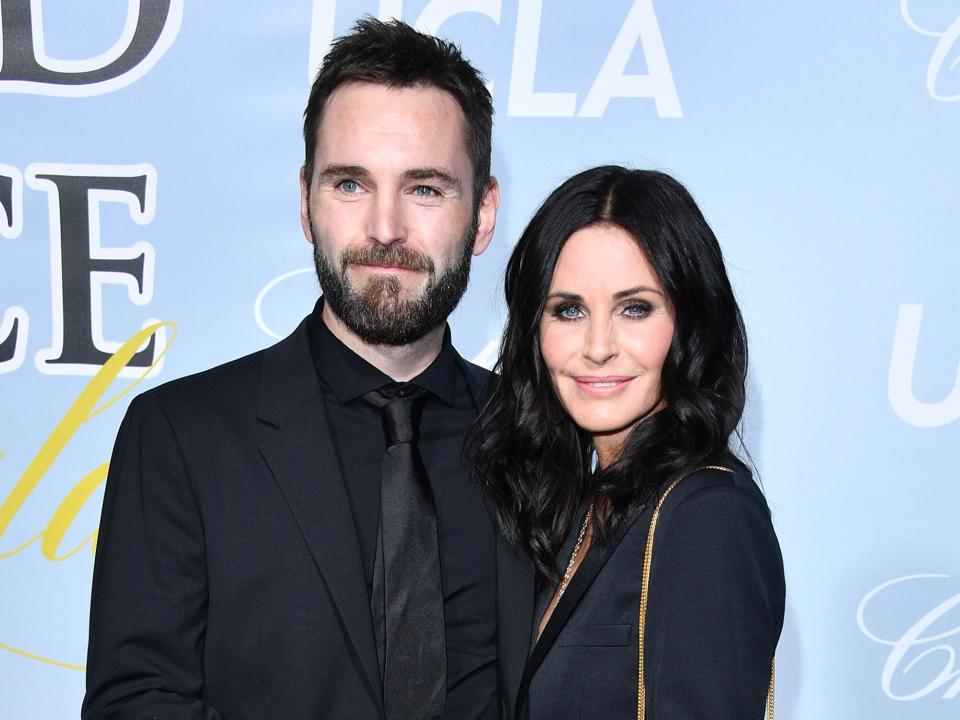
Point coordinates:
[[600, 343]]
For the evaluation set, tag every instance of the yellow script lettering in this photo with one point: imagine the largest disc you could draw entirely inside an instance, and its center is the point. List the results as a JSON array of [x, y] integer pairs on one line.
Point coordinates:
[[83, 409]]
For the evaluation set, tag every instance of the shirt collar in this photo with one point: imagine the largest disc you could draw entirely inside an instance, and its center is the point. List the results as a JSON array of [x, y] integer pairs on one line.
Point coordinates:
[[348, 376]]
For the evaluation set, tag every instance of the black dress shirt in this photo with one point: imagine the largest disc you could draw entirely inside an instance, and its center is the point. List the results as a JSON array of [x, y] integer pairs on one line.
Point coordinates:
[[467, 537]]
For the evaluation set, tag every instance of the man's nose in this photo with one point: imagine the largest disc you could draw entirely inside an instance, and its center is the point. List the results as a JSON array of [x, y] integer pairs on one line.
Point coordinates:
[[386, 221]]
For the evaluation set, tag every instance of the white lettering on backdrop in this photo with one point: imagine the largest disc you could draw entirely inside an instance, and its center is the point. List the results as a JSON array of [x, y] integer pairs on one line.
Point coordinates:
[[900, 378], [640, 28], [947, 40], [913, 641]]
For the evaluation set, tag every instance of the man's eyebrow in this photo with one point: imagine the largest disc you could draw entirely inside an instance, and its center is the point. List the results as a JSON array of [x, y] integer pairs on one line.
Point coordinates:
[[441, 177], [331, 172]]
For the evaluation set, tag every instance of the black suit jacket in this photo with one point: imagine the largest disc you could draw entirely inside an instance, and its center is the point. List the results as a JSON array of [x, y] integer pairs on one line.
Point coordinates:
[[714, 614], [228, 580]]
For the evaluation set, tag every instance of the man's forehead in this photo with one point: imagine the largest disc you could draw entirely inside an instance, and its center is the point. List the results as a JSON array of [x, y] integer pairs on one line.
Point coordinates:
[[374, 105], [360, 116]]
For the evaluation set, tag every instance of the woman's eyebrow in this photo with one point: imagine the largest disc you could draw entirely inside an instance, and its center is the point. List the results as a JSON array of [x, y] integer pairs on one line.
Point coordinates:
[[563, 295], [634, 290]]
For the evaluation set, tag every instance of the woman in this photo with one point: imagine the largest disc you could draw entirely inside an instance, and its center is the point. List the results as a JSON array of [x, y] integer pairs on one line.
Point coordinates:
[[622, 369]]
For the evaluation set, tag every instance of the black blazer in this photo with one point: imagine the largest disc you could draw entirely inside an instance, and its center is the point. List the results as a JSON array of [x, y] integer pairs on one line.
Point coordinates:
[[228, 580], [714, 613]]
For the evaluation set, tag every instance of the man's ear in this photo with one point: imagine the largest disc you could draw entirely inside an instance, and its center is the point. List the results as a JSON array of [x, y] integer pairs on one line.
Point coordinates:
[[487, 216], [305, 205]]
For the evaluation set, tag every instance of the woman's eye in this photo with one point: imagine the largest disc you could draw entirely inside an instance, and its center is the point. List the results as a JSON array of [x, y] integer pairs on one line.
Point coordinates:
[[568, 312], [348, 187], [636, 310]]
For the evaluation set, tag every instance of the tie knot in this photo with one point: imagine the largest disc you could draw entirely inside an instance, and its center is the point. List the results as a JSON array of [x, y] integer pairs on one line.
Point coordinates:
[[397, 404]]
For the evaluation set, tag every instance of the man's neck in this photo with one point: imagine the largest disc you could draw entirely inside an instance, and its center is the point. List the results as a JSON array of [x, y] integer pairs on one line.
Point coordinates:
[[399, 362]]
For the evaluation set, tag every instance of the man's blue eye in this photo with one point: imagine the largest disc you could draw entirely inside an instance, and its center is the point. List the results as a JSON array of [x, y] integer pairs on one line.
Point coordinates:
[[426, 191], [349, 186]]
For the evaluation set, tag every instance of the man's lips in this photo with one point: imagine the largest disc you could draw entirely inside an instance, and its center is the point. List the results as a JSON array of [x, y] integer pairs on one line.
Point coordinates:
[[602, 385], [380, 267]]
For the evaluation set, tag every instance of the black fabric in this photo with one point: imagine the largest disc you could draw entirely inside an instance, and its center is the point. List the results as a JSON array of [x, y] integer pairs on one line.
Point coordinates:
[[581, 581], [714, 616], [229, 579], [358, 431], [406, 603], [466, 535]]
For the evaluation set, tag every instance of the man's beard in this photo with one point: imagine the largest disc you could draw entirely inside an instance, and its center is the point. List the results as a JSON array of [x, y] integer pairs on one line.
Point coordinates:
[[377, 313]]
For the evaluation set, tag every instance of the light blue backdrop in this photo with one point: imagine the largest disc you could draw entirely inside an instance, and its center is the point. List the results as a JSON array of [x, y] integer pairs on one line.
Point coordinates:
[[819, 137]]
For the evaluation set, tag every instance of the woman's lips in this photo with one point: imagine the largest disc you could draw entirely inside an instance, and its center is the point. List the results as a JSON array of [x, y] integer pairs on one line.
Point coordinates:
[[602, 386]]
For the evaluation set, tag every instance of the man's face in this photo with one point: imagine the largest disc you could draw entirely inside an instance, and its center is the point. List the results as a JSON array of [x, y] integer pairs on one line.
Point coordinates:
[[389, 210]]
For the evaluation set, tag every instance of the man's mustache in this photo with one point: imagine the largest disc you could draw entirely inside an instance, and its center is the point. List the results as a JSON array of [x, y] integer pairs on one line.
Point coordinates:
[[395, 255]]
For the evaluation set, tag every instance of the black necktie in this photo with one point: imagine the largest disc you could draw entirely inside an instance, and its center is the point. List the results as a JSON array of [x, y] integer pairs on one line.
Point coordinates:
[[407, 598]]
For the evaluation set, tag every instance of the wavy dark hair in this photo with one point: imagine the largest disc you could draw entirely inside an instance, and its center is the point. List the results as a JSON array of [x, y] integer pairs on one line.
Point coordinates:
[[533, 461]]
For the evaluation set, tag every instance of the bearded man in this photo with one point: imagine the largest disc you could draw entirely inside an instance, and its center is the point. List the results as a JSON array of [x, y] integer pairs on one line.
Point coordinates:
[[295, 534]]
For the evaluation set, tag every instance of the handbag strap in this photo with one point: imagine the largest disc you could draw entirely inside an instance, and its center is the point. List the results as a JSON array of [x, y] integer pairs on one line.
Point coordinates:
[[644, 591]]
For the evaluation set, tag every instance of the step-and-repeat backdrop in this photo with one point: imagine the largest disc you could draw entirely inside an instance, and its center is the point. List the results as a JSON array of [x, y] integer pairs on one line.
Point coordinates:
[[149, 152]]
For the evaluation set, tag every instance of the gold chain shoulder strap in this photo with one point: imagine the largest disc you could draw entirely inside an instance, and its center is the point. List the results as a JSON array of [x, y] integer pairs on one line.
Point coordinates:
[[644, 591]]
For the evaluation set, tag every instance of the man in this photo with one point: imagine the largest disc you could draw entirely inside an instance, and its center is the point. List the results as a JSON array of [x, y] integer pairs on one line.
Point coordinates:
[[295, 534]]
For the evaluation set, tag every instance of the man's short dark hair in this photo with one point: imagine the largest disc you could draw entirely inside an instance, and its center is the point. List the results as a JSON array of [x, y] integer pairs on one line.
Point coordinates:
[[395, 55]]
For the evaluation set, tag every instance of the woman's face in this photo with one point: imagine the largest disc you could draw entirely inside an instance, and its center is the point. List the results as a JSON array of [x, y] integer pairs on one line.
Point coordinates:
[[605, 332]]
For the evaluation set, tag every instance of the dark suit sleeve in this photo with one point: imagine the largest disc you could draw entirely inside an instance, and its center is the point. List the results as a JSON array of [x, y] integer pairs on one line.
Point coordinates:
[[716, 607], [149, 601]]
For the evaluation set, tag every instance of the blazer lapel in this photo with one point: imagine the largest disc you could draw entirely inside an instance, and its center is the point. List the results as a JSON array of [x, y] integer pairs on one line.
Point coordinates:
[[302, 459], [579, 584]]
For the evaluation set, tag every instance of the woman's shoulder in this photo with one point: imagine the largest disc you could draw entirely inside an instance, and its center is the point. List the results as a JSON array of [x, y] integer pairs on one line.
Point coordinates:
[[727, 485], [716, 523], [716, 511]]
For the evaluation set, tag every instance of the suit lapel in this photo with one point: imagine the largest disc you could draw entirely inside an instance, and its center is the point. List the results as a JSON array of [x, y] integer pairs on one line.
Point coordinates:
[[302, 459], [581, 581]]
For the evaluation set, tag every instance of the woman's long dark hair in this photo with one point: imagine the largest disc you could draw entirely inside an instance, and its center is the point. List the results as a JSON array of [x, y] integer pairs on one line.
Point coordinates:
[[533, 461]]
